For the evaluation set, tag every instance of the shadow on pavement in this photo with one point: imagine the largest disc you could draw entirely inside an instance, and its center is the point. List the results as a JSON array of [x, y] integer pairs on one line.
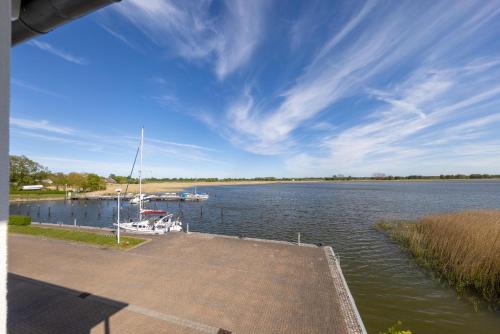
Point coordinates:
[[40, 307]]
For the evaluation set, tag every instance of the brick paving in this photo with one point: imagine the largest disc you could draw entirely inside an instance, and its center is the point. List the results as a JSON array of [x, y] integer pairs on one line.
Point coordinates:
[[179, 283]]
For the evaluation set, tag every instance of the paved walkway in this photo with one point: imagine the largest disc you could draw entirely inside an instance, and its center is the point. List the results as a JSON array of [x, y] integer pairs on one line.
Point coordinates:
[[181, 283]]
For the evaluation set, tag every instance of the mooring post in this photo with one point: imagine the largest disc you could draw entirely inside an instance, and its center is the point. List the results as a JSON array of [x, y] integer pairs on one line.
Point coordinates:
[[187, 228], [74, 222], [298, 237]]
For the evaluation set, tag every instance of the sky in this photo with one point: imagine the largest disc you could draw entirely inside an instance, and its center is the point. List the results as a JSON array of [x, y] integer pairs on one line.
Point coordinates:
[[264, 88]]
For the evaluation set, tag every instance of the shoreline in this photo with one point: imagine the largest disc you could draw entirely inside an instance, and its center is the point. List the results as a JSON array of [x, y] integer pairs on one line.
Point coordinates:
[[36, 199], [178, 186]]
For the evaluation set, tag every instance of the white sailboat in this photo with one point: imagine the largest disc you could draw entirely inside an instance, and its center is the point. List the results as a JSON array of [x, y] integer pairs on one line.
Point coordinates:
[[194, 196], [160, 222]]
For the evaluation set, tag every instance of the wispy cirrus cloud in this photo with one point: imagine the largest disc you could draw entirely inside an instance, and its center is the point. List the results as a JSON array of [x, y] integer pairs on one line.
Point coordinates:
[[23, 84], [81, 142], [407, 67], [190, 31], [43, 125], [58, 52], [120, 37], [425, 119]]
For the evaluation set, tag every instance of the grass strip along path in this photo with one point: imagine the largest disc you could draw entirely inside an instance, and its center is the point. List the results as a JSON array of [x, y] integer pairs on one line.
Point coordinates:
[[78, 236]]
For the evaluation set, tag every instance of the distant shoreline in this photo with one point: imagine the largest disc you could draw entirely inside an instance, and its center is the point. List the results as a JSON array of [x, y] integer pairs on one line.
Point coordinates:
[[177, 186]]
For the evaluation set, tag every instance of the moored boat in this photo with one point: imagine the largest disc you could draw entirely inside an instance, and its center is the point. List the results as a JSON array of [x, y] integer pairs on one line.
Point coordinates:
[[161, 222], [186, 196]]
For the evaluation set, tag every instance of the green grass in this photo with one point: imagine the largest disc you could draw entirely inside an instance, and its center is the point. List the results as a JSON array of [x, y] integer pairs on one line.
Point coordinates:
[[35, 196], [36, 192], [78, 236], [19, 220]]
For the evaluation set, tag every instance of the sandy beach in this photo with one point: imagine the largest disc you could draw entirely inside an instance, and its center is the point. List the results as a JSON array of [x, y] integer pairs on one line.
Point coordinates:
[[178, 186]]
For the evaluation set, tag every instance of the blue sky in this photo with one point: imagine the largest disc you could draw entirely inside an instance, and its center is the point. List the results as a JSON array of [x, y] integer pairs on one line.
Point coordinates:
[[263, 88]]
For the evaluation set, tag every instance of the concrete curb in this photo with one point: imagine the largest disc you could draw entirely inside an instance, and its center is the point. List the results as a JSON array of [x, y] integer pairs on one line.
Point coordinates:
[[354, 323]]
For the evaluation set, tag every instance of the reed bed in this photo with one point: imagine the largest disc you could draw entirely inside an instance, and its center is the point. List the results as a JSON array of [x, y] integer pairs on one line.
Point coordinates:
[[463, 247]]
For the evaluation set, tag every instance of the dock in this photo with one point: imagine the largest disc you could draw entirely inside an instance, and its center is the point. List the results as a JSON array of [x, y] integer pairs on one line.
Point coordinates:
[[178, 283], [128, 197]]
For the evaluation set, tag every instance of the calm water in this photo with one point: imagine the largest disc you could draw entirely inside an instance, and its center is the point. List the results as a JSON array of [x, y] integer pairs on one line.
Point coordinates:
[[385, 282]]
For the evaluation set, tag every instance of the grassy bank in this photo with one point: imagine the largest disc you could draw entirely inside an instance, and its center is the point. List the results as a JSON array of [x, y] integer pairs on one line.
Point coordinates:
[[35, 197], [78, 236], [463, 248]]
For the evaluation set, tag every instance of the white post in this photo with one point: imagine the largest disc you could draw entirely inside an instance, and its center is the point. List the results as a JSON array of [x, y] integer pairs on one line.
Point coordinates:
[[140, 176], [74, 222], [298, 237], [118, 218], [5, 42]]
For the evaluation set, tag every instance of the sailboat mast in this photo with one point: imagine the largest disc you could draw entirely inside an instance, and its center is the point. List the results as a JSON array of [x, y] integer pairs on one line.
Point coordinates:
[[140, 176]]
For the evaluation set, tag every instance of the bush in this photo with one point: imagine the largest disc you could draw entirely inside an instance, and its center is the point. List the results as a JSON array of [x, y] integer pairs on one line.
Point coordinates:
[[19, 220], [394, 329]]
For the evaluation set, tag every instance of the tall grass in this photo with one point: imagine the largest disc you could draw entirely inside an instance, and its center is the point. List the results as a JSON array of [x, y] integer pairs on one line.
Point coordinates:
[[463, 247]]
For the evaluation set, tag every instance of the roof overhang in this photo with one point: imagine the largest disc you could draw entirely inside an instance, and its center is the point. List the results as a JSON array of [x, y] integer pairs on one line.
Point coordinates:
[[31, 18]]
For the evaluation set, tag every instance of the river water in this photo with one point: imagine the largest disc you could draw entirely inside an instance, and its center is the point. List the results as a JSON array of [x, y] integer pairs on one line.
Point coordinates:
[[385, 282]]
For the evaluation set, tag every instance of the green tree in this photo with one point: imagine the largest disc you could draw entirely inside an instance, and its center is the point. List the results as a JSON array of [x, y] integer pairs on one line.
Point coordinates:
[[25, 171], [76, 180], [59, 179], [94, 182]]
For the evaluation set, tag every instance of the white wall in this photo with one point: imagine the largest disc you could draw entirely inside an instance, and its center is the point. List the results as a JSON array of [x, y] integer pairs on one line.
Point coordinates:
[[5, 27]]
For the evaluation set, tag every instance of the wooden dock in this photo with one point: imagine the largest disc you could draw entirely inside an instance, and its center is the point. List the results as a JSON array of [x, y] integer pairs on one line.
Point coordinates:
[[128, 197], [124, 197], [178, 283]]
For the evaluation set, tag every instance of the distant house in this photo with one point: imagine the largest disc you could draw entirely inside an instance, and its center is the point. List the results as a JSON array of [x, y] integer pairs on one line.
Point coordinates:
[[110, 180], [47, 181], [32, 187]]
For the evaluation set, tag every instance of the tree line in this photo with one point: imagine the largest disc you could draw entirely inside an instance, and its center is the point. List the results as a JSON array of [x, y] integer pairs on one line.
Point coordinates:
[[329, 178], [24, 171]]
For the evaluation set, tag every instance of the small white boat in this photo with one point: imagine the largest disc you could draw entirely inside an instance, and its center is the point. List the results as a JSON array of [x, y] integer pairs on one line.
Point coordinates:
[[170, 196], [193, 196], [140, 198]]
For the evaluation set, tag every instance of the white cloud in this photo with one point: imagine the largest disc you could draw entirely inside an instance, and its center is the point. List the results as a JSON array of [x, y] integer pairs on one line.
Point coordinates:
[[189, 30], [429, 119], [241, 32], [120, 37], [157, 152], [40, 125], [57, 52], [432, 82]]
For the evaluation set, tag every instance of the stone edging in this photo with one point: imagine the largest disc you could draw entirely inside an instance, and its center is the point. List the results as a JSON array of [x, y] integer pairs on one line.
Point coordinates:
[[348, 307]]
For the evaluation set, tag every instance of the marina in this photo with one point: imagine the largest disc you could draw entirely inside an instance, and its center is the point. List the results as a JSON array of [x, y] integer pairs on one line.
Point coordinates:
[[341, 215]]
